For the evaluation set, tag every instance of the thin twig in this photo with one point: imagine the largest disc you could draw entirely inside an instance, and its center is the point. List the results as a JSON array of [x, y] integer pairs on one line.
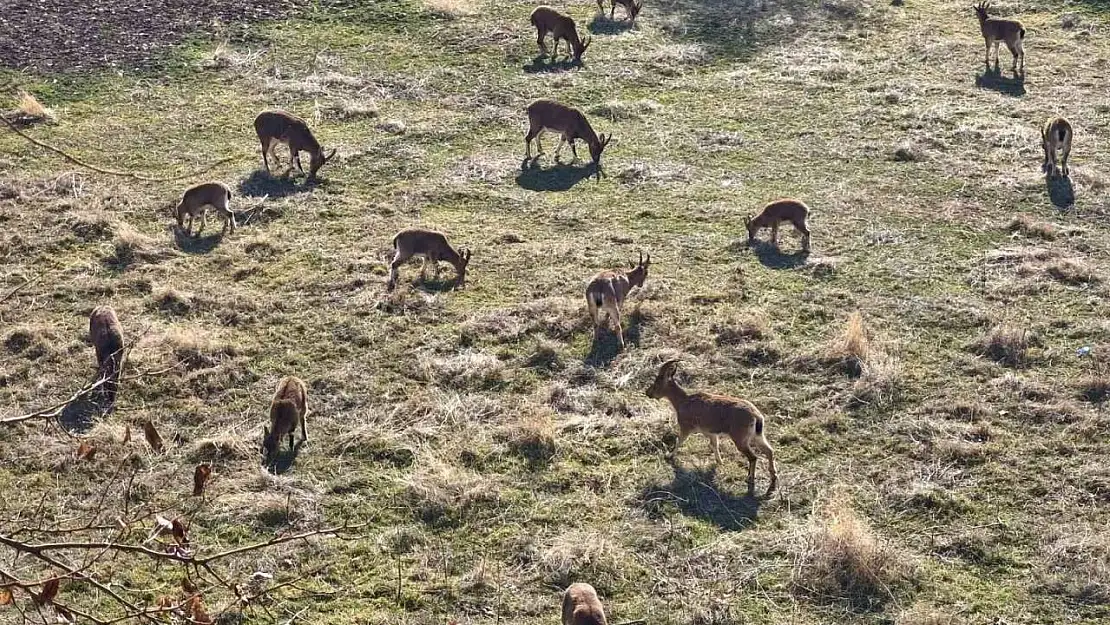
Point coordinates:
[[109, 172]]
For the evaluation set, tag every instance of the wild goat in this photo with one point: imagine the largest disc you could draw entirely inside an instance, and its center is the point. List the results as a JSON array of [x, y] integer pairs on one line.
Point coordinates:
[[999, 30], [606, 292], [433, 246], [196, 200], [569, 122], [1056, 135], [714, 415], [288, 412], [106, 336], [581, 606], [631, 7], [794, 211], [275, 127], [548, 20]]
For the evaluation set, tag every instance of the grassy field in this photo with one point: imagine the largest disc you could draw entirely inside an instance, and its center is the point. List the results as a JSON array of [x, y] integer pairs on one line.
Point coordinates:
[[942, 456]]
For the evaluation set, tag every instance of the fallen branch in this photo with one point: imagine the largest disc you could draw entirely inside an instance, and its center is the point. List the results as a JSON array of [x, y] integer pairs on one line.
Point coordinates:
[[54, 411], [17, 289], [109, 172]]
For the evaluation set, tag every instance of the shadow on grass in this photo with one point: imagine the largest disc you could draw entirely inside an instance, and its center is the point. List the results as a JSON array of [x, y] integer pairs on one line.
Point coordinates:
[[602, 25], [693, 493], [196, 245], [605, 345], [285, 458], [993, 79], [540, 65], [1060, 191], [772, 257], [260, 184], [559, 177]]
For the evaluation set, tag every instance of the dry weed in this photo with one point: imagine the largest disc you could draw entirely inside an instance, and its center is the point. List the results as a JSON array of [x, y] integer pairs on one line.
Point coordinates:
[[1006, 344]]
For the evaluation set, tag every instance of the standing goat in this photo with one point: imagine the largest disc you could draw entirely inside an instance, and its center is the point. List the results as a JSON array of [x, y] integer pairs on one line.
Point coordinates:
[[275, 127], [794, 211], [106, 336], [196, 200], [606, 292], [548, 20], [581, 606], [433, 246], [714, 415], [631, 7], [1056, 135], [997, 30], [569, 122], [288, 412]]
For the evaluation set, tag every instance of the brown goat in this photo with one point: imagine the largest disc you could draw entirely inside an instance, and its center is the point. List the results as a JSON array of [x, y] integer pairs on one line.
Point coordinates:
[[794, 211], [196, 200], [606, 292], [433, 246], [631, 7], [106, 336], [581, 606], [569, 122], [548, 20], [275, 127], [1056, 134], [997, 30], [714, 415], [288, 412]]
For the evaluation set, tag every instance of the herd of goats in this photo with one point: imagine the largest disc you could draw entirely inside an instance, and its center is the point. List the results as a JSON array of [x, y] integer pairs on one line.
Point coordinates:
[[697, 412]]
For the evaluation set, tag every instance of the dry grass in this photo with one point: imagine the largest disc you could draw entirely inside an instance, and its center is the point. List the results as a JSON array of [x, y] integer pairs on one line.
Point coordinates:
[[468, 369], [450, 9], [1027, 226], [1077, 564], [1006, 344], [30, 111], [1072, 272], [851, 350], [841, 559]]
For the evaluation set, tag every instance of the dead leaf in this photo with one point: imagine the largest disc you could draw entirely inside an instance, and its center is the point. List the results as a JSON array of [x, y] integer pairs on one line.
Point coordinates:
[[6, 597], [196, 609], [85, 451], [200, 478], [165, 601], [180, 533], [153, 437], [49, 591], [126, 434]]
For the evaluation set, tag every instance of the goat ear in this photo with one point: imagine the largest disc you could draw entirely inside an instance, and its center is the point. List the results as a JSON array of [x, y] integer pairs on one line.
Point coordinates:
[[641, 258]]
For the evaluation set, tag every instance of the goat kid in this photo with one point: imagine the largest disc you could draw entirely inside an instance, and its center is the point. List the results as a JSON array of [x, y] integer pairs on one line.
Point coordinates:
[[433, 246], [274, 127], [1056, 135], [794, 211], [562, 27], [288, 412], [196, 200], [569, 122]]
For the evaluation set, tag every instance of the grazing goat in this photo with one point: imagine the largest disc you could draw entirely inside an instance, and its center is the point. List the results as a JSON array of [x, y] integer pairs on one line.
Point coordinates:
[[288, 412], [996, 31], [569, 122], [1056, 135], [606, 292], [196, 200], [275, 127], [714, 415], [794, 211], [106, 336], [581, 606], [631, 7], [548, 20], [433, 246]]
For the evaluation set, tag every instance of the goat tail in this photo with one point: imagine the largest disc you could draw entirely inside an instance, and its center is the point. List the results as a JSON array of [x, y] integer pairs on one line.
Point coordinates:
[[598, 299], [759, 426]]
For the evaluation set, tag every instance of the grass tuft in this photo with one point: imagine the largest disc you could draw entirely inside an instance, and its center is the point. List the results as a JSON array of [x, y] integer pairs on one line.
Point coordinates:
[[841, 559], [1006, 344]]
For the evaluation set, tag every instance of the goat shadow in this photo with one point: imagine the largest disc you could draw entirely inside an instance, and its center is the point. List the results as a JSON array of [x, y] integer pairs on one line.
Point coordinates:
[[771, 256], [285, 458], [191, 244], [540, 65], [992, 79], [559, 177], [605, 347], [260, 184], [1060, 191], [602, 24], [693, 493]]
